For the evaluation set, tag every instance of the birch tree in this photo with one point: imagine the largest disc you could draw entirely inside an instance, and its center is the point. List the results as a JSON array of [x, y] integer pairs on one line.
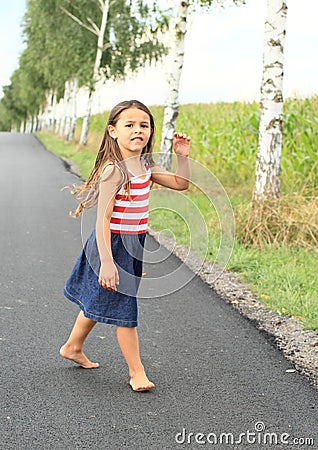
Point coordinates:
[[58, 49], [68, 110], [100, 33], [177, 56], [74, 85], [68, 123], [125, 31], [267, 182], [172, 103]]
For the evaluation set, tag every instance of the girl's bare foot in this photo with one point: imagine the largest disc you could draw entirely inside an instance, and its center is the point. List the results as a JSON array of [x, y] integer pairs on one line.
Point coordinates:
[[78, 357], [140, 382]]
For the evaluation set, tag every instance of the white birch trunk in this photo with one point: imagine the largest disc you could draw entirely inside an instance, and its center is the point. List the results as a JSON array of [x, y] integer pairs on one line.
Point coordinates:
[[35, 123], [99, 52], [73, 109], [46, 111], [67, 103], [28, 126], [86, 118], [267, 182], [43, 120], [62, 123], [172, 103], [57, 125], [64, 111], [49, 109], [40, 115], [59, 108], [54, 102]]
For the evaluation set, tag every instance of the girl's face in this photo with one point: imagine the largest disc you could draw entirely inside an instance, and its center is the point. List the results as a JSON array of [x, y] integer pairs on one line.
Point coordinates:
[[132, 131]]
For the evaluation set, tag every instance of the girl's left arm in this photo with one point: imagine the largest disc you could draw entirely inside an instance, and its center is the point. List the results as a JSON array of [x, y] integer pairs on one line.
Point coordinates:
[[180, 179]]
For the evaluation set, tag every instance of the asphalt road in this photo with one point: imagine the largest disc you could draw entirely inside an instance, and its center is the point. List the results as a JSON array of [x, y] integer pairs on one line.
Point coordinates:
[[214, 371]]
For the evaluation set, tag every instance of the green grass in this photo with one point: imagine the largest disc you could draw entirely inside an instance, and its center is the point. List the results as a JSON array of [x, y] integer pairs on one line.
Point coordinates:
[[224, 139], [284, 278], [84, 159]]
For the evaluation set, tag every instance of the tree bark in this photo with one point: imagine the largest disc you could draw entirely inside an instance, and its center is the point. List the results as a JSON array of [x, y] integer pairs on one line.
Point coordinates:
[[48, 109], [172, 103], [59, 113], [99, 52], [73, 109], [67, 103], [267, 182], [53, 113], [40, 119], [64, 111]]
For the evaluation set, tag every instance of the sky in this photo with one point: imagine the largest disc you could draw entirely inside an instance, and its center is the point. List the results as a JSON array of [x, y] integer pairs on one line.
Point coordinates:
[[223, 51]]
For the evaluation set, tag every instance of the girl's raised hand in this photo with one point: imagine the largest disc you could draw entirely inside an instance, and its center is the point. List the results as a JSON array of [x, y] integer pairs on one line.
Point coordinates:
[[181, 144]]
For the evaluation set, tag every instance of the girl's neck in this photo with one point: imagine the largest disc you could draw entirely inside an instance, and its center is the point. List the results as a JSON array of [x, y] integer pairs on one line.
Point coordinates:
[[132, 160], [135, 165]]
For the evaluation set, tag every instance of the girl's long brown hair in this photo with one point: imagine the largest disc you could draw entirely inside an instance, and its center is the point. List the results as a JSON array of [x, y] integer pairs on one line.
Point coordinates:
[[109, 151]]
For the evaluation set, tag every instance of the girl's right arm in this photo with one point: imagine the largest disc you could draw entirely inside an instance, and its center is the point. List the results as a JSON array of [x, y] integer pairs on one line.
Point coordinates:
[[111, 180]]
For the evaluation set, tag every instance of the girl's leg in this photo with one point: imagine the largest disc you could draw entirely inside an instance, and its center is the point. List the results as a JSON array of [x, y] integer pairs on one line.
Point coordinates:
[[73, 348], [129, 345]]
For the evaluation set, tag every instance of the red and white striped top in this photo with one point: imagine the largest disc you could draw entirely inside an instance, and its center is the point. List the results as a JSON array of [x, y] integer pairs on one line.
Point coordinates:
[[131, 217]]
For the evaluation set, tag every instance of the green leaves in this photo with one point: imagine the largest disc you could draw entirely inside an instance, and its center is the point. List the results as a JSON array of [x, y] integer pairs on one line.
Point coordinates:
[[60, 47]]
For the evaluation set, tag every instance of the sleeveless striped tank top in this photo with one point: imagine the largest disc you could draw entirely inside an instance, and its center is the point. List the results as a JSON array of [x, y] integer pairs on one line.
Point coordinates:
[[131, 217]]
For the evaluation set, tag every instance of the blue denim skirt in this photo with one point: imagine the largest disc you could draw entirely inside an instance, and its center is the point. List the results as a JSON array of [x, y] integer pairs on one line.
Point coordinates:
[[97, 303]]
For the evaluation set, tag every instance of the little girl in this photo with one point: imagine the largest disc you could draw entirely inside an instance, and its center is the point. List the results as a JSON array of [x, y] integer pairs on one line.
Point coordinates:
[[105, 278]]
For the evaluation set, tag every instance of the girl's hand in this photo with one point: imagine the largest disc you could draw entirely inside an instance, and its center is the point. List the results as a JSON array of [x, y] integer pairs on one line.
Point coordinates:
[[181, 144], [108, 276]]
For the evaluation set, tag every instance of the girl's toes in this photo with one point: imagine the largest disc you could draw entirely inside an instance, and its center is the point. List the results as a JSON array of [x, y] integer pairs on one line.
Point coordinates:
[[142, 388]]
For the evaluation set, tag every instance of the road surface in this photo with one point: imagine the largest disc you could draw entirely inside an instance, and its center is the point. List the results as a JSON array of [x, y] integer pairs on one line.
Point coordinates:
[[219, 382]]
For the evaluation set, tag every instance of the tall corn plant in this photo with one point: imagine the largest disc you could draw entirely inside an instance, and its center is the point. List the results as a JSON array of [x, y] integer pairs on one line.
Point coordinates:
[[267, 182]]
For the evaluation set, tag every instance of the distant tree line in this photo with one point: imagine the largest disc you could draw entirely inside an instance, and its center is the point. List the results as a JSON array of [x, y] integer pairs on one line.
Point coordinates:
[[77, 43]]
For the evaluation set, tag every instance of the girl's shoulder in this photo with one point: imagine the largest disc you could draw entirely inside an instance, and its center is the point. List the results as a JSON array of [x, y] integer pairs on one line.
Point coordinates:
[[111, 169]]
